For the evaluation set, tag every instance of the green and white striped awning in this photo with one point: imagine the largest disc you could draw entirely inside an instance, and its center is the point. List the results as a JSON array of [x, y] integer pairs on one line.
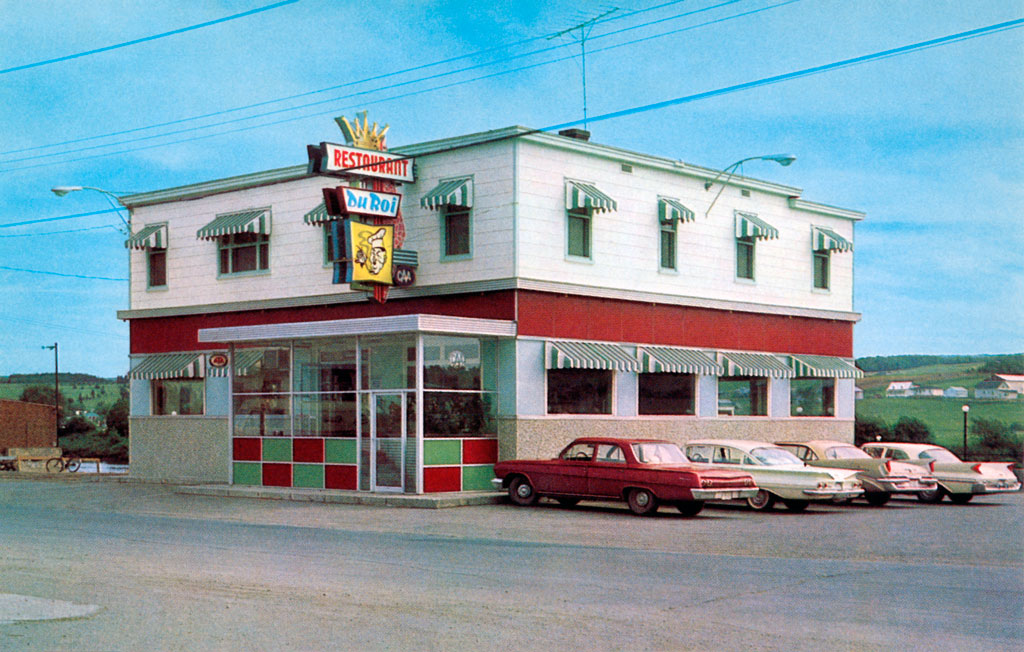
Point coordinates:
[[671, 211], [254, 221], [589, 355], [749, 225], [153, 236], [319, 216], [585, 195], [823, 366], [245, 360], [170, 365], [823, 239], [754, 364], [657, 359], [454, 192]]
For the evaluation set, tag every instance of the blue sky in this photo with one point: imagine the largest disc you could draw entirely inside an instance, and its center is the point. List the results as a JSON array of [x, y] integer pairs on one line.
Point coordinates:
[[928, 144]]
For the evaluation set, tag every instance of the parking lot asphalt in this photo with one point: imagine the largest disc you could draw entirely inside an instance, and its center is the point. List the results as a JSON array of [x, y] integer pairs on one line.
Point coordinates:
[[167, 571]]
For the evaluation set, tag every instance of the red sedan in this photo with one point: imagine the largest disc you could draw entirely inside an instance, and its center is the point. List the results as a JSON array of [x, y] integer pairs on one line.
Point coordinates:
[[642, 472]]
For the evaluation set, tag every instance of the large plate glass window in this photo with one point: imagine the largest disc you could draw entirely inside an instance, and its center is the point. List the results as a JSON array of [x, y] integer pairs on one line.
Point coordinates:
[[812, 397], [180, 396], [666, 393], [579, 391], [743, 396], [458, 386], [262, 405]]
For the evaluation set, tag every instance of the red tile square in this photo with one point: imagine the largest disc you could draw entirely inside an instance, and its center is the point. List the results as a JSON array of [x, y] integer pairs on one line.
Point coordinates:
[[442, 478], [479, 451], [276, 474], [341, 476], [246, 449], [307, 450]]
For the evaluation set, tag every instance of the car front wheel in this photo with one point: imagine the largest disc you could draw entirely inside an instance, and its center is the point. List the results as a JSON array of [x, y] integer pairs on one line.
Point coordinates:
[[690, 507], [521, 492], [761, 501], [642, 502]]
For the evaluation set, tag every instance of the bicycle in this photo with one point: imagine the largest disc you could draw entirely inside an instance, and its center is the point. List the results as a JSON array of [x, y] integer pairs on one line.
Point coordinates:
[[58, 464]]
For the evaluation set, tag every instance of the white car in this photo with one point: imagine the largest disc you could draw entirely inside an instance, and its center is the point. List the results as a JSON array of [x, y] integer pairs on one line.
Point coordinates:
[[779, 474], [960, 480]]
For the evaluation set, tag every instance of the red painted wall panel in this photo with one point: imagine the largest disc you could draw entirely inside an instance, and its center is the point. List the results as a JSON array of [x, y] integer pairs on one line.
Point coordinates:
[[165, 334], [307, 449], [340, 476], [247, 449], [277, 474], [591, 318], [479, 451], [442, 478]]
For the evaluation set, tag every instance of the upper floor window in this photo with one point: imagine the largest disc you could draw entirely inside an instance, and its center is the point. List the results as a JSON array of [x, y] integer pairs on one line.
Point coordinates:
[[582, 202], [821, 260], [456, 236], [156, 268], [578, 233], [244, 252], [823, 242], [670, 213], [668, 245], [153, 240], [243, 240], [749, 229]]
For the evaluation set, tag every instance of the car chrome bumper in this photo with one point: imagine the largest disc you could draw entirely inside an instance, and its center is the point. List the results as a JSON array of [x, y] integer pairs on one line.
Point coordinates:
[[497, 483], [982, 488], [833, 493], [724, 494], [905, 485]]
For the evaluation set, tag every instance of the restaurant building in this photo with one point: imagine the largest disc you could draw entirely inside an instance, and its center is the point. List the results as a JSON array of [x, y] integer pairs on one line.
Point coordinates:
[[477, 298]]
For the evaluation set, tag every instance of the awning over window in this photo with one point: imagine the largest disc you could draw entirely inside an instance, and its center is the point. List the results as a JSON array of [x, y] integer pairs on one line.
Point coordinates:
[[823, 239], [170, 365], [823, 366], [749, 225], [454, 192], [754, 364], [589, 355], [670, 210], [153, 236], [245, 360], [584, 195], [319, 216], [255, 221], [655, 359]]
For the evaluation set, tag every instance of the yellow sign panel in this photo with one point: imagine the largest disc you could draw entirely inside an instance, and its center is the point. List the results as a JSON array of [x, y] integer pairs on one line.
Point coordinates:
[[370, 250]]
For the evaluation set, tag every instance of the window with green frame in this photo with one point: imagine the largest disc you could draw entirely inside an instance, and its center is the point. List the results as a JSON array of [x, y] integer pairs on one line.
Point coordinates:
[[821, 259], [745, 258], [456, 239], [244, 252], [578, 232], [156, 268], [668, 245]]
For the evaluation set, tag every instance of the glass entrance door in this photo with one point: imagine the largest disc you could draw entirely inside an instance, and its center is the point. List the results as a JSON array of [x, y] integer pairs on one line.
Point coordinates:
[[387, 441]]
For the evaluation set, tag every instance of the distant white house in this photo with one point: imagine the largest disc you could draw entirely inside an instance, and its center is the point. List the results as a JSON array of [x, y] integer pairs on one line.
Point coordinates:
[[995, 388], [1012, 381], [900, 388], [921, 390], [955, 392], [858, 393]]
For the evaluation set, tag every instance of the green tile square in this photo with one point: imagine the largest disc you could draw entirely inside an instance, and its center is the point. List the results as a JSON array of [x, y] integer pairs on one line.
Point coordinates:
[[277, 450], [442, 452], [477, 478], [340, 451], [247, 473], [308, 475]]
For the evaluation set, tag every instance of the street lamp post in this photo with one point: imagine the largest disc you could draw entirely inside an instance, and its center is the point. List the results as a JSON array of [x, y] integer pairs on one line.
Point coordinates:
[[60, 191], [966, 409], [56, 393], [781, 159]]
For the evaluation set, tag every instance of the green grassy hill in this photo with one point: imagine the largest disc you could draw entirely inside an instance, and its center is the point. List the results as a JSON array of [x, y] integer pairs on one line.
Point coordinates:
[[85, 396]]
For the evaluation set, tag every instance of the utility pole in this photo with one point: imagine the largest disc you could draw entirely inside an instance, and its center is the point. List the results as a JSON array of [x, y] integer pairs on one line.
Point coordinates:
[[584, 30], [56, 393]]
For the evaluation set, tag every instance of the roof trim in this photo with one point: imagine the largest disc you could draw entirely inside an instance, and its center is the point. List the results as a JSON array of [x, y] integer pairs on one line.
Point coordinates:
[[420, 323]]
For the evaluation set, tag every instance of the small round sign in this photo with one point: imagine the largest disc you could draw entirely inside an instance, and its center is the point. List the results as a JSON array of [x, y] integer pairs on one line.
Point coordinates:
[[404, 276], [218, 360]]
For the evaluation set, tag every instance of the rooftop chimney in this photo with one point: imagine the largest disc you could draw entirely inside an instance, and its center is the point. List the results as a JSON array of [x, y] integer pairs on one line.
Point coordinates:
[[578, 134]]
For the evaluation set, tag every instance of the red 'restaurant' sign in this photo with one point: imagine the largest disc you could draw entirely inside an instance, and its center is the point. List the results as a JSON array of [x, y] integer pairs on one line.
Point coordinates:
[[367, 163]]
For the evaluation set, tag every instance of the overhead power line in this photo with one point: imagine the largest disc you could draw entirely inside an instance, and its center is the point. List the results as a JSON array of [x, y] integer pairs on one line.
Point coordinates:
[[362, 81], [144, 39], [62, 217], [39, 271], [87, 228]]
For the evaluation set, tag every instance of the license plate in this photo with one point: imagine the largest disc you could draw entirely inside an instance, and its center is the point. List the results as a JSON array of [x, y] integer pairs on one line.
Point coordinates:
[[726, 495]]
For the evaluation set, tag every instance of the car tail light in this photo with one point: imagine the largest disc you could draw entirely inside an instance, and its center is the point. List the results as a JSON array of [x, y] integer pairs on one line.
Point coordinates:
[[931, 466], [888, 467], [977, 468], [1010, 467]]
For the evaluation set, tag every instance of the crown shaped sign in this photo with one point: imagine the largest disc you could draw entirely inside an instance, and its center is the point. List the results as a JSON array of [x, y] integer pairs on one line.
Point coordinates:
[[363, 135]]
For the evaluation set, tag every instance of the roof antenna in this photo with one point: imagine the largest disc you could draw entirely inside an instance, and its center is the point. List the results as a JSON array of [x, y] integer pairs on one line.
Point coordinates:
[[584, 30]]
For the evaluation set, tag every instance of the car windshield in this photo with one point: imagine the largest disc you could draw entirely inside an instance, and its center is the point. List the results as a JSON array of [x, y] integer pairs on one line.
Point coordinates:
[[939, 455], [654, 453], [774, 456], [845, 453]]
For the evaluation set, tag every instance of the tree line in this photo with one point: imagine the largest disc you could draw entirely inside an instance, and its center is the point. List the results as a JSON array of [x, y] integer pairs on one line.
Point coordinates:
[[995, 364]]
